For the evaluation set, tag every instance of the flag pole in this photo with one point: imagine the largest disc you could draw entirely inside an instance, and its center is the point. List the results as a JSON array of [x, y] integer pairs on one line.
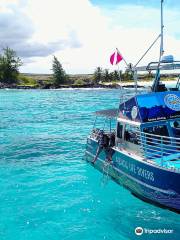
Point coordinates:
[[132, 69], [120, 79], [121, 88], [122, 57], [117, 61]]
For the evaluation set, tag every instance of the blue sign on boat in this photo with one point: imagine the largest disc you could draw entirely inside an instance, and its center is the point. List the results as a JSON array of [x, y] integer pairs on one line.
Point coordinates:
[[151, 107]]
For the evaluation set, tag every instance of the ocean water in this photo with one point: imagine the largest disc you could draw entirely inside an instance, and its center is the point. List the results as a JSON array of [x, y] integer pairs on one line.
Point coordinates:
[[46, 190]]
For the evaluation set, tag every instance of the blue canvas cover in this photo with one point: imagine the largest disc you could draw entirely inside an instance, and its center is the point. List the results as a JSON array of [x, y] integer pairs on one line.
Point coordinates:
[[151, 107]]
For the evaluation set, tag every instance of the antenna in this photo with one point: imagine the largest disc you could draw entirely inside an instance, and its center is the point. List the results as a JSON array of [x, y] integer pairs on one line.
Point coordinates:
[[162, 33], [157, 77]]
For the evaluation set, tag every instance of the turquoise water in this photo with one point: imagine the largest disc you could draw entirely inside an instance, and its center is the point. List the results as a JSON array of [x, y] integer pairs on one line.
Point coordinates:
[[46, 190]]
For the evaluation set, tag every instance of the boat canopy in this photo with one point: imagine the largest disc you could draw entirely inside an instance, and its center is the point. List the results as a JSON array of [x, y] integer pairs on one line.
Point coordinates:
[[109, 113], [151, 107]]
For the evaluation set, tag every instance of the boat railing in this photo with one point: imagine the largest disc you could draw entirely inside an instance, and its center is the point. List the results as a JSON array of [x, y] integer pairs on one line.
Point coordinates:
[[160, 150]]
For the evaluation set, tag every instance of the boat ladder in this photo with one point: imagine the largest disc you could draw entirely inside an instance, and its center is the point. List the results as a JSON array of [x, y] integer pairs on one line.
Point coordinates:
[[105, 171]]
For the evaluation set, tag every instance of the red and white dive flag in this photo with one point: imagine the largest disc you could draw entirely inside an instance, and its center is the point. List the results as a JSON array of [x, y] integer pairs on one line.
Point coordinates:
[[115, 58]]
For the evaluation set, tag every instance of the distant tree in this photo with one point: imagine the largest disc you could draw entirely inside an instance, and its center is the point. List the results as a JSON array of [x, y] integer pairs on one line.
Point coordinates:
[[59, 75], [98, 75], [120, 75], [9, 66], [128, 75], [106, 75], [116, 75], [111, 77]]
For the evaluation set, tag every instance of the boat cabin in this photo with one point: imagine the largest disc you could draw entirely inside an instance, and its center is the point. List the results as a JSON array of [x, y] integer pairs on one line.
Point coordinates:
[[146, 125], [149, 125]]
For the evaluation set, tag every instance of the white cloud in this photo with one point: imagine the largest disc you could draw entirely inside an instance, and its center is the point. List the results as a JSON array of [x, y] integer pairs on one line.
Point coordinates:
[[83, 36], [18, 31]]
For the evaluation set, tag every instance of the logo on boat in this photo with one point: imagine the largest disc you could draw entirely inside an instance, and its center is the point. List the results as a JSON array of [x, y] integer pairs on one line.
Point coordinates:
[[139, 231], [134, 112], [172, 101]]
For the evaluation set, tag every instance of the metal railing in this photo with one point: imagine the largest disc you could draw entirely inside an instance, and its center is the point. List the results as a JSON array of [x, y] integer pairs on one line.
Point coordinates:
[[157, 149], [178, 82]]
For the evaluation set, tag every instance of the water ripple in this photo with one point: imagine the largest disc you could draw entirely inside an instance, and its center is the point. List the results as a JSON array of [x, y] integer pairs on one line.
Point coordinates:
[[47, 190]]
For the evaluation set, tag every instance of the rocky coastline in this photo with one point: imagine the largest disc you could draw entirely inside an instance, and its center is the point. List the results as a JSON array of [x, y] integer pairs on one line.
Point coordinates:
[[48, 86]]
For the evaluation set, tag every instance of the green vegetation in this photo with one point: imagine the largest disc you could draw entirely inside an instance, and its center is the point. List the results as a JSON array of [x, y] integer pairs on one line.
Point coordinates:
[[127, 75], [101, 75], [26, 81], [10, 76], [79, 82], [47, 81], [98, 75], [59, 74], [9, 66], [106, 76]]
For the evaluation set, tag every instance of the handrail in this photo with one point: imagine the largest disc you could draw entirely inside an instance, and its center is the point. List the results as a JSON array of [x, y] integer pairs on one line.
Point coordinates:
[[155, 135], [163, 151], [159, 150]]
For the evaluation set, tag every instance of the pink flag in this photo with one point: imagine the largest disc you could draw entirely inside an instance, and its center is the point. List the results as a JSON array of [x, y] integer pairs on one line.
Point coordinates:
[[115, 58]]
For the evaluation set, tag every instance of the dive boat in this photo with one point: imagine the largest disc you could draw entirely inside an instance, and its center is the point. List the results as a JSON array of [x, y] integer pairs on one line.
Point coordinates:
[[140, 148]]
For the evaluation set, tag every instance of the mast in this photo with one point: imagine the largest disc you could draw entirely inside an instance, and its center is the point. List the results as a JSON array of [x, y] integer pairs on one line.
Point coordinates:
[[157, 77], [162, 32]]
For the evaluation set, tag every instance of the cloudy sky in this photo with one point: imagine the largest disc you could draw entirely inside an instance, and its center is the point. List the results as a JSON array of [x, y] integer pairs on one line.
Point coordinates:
[[84, 33]]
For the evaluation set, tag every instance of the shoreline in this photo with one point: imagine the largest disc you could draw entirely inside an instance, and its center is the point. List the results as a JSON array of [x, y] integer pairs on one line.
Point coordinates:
[[118, 85], [85, 86]]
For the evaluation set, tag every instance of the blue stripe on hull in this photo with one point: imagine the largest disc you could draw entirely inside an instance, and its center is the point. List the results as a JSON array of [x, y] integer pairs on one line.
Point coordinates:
[[146, 181]]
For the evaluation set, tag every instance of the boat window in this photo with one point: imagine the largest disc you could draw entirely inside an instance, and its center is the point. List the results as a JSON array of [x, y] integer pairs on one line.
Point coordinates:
[[131, 134], [119, 130], [160, 131], [157, 130], [175, 125]]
